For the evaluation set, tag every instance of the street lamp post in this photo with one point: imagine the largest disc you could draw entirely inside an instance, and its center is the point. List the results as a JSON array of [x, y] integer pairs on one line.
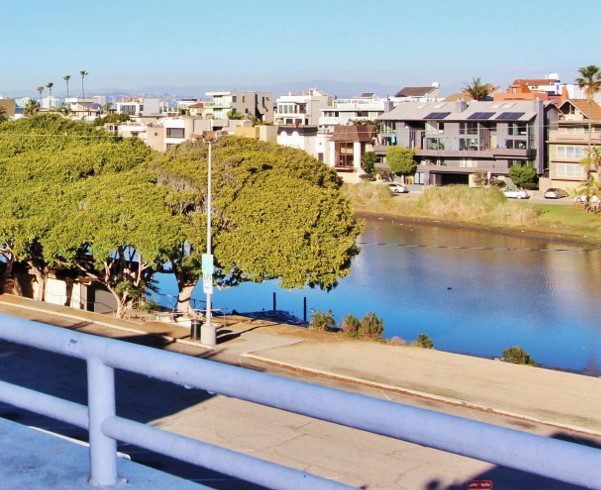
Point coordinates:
[[208, 335]]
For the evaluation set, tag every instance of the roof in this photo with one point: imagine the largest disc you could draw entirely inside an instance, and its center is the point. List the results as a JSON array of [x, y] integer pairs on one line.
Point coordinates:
[[420, 111], [197, 105], [351, 133], [535, 81], [593, 112], [414, 91], [457, 96]]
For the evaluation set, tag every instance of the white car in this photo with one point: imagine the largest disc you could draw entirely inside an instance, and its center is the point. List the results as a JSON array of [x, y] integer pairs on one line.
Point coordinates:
[[516, 194], [582, 198], [398, 188]]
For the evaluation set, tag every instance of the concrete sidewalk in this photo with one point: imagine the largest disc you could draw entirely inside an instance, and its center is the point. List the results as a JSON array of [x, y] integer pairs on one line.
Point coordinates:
[[539, 395]]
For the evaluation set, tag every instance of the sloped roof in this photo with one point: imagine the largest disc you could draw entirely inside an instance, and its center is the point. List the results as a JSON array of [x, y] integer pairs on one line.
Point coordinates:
[[417, 111], [414, 91], [352, 133], [457, 96], [593, 112], [535, 81]]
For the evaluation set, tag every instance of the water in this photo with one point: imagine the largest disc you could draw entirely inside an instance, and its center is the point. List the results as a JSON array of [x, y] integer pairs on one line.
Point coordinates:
[[472, 292]]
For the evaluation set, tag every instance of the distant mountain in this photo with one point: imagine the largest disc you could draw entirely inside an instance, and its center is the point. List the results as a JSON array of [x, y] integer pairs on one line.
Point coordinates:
[[332, 87]]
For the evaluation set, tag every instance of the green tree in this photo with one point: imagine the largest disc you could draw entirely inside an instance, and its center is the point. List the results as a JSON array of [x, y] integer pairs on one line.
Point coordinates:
[[277, 213], [350, 325], [234, 115], [477, 90], [401, 160], [517, 355], [590, 80], [424, 341], [322, 320], [523, 174], [371, 327], [31, 107], [368, 162]]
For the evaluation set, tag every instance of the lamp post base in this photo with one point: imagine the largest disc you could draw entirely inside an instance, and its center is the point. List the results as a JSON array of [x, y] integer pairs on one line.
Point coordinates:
[[208, 335]]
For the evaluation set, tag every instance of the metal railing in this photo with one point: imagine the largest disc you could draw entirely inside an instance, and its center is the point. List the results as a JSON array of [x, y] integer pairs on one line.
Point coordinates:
[[543, 456]]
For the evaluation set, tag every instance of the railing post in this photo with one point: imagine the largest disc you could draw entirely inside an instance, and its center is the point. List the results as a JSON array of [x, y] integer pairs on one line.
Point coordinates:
[[101, 405]]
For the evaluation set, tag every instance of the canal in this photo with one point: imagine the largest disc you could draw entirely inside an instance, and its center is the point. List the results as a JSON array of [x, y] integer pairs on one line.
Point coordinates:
[[473, 292]]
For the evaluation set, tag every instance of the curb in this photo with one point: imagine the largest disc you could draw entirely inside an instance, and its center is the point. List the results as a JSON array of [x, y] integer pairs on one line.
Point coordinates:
[[418, 394]]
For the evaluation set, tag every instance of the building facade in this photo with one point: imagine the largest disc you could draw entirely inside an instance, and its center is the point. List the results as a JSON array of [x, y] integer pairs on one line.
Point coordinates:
[[346, 111], [301, 110], [569, 140], [248, 104], [453, 140], [139, 106]]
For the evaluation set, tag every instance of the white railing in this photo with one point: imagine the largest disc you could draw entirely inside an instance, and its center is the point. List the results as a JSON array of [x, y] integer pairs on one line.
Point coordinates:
[[552, 458]]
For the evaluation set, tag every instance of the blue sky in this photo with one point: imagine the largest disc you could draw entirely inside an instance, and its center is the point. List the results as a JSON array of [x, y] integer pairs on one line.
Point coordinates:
[[131, 44]]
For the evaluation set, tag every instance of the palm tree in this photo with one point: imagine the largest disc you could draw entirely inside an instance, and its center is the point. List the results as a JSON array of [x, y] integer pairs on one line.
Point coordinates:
[[66, 78], [83, 74], [41, 91], [49, 86], [478, 90], [590, 80], [32, 107]]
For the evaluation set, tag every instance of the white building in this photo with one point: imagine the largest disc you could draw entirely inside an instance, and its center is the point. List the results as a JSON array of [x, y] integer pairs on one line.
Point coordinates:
[[139, 106], [425, 94], [344, 111], [50, 103], [301, 110]]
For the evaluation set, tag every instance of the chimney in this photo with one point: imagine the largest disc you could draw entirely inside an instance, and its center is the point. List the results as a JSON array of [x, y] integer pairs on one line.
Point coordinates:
[[460, 105]]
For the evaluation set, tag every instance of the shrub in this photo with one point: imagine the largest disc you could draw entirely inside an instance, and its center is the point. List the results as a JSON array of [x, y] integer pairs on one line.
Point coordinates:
[[424, 341], [461, 201], [322, 320], [480, 177], [401, 160], [533, 186], [497, 183], [368, 162], [523, 174], [369, 177], [517, 355], [397, 341], [385, 174], [350, 325], [371, 327]]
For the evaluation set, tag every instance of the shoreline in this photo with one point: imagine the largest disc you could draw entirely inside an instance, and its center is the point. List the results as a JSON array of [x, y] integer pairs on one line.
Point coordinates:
[[553, 236]]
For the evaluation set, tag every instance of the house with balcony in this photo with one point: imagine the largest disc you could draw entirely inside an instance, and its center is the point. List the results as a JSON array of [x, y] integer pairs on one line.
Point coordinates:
[[303, 109], [347, 111], [568, 143], [139, 106], [249, 104], [453, 140]]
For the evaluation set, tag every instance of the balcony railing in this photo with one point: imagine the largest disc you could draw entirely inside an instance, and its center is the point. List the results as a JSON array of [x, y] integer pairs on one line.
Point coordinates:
[[564, 461]]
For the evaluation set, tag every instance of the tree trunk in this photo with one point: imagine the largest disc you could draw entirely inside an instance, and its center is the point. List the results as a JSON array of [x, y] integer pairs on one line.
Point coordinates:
[[184, 295], [6, 273], [40, 278]]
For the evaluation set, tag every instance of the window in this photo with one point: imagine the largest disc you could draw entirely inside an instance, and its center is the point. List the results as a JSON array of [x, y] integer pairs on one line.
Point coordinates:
[[570, 170], [141, 108], [468, 144], [434, 144], [516, 144], [129, 109], [234, 99], [467, 162], [518, 129], [570, 152], [175, 133], [468, 128]]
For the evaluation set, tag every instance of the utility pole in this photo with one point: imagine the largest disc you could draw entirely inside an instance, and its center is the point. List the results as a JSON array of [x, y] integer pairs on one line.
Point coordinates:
[[208, 334]]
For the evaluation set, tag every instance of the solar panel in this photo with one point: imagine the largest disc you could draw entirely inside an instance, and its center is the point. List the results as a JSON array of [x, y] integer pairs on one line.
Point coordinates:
[[481, 115], [437, 115], [509, 116]]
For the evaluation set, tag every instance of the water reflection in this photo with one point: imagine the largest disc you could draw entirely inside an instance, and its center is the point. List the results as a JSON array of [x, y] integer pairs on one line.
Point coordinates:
[[470, 291]]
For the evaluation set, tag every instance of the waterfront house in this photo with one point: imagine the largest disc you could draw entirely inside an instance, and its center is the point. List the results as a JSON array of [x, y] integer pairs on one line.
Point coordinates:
[[568, 143], [453, 140], [302, 109]]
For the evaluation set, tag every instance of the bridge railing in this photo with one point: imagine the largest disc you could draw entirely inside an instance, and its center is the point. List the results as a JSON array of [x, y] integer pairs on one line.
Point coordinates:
[[543, 456]]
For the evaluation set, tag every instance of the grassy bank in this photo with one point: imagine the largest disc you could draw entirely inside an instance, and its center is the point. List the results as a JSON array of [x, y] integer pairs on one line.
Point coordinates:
[[478, 207]]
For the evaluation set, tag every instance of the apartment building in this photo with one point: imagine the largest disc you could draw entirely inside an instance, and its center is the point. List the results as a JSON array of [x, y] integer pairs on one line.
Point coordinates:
[[346, 111], [568, 143], [139, 106], [303, 109], [249, 104], [453, 140]]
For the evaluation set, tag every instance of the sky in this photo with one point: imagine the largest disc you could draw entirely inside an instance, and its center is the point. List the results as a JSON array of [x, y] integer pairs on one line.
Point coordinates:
[[133, 44]]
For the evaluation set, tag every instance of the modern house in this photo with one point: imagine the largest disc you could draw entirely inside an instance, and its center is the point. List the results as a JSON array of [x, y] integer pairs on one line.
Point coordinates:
[[139, 106], [418, 94], [346, 111], [568, 143], [248, 104], [453, 140], [301, 110]]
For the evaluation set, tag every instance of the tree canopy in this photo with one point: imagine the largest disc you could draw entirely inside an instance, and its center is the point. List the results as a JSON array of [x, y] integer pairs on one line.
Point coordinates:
[[401, 160], [115, 212]]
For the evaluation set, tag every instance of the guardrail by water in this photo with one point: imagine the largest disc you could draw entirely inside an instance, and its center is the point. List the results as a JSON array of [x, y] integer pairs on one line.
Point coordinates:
[[552, 458]]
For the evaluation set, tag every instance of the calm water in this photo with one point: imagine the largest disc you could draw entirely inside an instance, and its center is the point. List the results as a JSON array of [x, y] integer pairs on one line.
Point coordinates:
[[472, 292]]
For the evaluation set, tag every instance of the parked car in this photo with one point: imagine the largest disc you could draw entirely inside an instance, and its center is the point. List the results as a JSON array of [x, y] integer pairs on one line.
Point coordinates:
[[398, 188], [516, 194], [554, 193], [582, 198]]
